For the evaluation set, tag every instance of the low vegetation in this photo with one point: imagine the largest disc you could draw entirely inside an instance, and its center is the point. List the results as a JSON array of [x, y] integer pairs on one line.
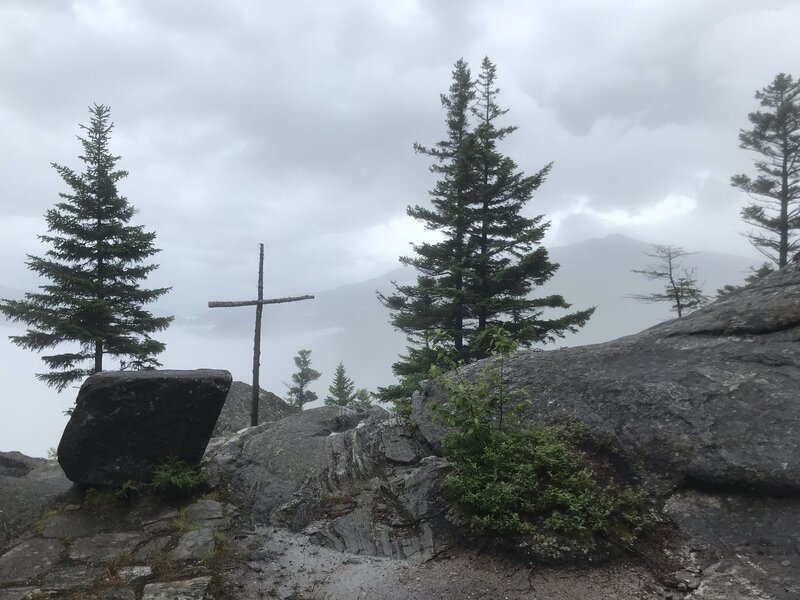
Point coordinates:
[[175, 479], [182, 521], [530, 483]]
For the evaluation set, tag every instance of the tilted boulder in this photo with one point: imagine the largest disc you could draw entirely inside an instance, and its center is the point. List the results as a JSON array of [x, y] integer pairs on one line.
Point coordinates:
[[712, 399], [125, 423]]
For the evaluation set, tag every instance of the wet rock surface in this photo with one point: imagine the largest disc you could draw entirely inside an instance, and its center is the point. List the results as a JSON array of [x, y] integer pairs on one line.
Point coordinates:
[[28, 486], [104, 547], [366, 526], [288, 565], [101, 549], [353, 471], [29, 559], [235, 414], [191, 589], [125, 423], [342, 503], [745, 544], [709, 399]]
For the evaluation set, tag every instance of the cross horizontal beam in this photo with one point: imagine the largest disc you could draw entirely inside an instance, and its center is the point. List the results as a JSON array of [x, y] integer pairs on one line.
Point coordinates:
[[224, 304]]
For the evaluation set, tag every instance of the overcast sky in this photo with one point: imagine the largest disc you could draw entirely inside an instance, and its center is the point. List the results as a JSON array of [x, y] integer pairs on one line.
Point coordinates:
[[292, 123]]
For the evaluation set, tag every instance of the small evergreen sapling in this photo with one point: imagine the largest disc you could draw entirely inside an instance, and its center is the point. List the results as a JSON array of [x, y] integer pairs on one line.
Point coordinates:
[[341, 390], [529, 483], [299, 394], [174, 478], [363, 398]]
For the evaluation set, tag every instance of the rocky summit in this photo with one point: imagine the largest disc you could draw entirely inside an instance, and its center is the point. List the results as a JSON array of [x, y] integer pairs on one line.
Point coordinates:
[[709, 400], [125, 423], [344, 503]]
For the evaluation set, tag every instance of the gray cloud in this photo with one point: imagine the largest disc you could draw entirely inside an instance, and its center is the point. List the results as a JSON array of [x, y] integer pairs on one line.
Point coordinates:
[[293, 123]]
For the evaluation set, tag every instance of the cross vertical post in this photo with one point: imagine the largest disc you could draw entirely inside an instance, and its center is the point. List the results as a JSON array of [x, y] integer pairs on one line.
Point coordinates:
[[259, 304], [257, 340]]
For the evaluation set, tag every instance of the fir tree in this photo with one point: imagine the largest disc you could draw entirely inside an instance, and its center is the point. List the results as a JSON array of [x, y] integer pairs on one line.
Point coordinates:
[[507, 259], [490, 259], [416, 313], [363, 398], [299, 394], [95, 264], [775, 209], [437, 299], [341, 390], [680, 284]]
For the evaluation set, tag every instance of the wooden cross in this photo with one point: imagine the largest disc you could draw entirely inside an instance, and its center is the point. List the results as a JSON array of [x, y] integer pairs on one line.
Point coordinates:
[[259, 304]]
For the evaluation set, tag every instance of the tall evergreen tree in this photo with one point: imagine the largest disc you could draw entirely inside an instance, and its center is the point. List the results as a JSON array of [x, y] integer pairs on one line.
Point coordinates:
[[507, 259], [775, 209], [437, 299], [342, 389], [94, 266], [490, 259], [299, 394]]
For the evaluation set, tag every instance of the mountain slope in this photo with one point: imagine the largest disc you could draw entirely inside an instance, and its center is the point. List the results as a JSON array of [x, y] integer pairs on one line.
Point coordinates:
[[348, 324]]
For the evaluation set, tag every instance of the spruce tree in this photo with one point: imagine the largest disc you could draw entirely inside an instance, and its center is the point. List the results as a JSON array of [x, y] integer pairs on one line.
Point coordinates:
[[363, 398], [775, 136], [93, 299], [483, 271], [299, 394], [507, 259], [341, 391], [437, 299]]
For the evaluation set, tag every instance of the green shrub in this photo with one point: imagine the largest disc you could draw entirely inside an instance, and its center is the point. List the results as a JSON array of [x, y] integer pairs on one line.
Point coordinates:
[[130, 491], [174, 478], [531, 483]]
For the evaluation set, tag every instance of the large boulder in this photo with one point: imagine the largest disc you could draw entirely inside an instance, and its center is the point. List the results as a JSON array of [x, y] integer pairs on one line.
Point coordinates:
[[235, 413], [297, 458], [709, 400], [125, 423], [362, 476]]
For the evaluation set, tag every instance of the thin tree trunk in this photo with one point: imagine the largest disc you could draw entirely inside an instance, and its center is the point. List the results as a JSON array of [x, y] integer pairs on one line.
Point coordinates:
[[98, 343], [98, 356], [783, 251], [484, 258]]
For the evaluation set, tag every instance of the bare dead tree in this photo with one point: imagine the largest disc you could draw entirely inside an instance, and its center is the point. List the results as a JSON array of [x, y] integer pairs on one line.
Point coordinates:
[[680, 284]]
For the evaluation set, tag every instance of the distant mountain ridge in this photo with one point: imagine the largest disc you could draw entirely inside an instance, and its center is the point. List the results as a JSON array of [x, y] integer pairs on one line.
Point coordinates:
[[348, 323]]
